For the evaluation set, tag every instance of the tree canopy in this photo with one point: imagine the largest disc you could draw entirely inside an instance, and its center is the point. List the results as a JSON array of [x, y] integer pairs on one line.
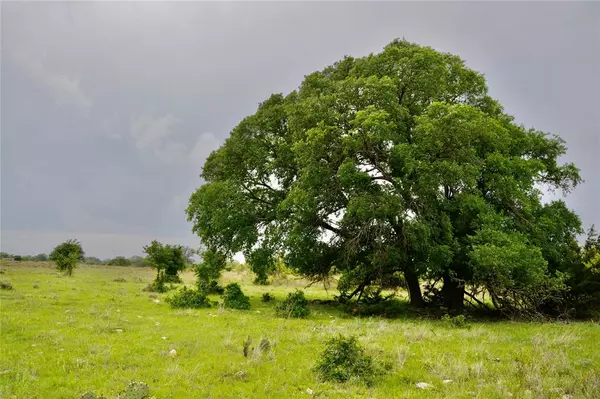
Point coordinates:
[[397, 166], [66, 255]]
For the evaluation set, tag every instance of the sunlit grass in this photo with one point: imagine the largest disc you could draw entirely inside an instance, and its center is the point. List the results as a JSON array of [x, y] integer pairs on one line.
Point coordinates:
[[89, 332]]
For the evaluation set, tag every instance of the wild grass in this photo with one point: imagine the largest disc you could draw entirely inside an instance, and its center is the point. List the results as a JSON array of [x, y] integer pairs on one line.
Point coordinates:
[[99, 330]]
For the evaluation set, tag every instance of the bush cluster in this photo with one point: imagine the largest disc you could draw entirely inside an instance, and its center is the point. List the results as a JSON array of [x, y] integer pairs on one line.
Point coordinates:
[[295, 305], [344, 359], [211, 287], [234, 298], [189, 298]]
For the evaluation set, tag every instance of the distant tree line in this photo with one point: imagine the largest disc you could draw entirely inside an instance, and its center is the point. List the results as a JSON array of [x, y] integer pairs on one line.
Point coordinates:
[[136, 261]]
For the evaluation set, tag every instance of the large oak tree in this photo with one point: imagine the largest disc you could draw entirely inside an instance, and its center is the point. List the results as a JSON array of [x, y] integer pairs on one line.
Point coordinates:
[[393, 167]]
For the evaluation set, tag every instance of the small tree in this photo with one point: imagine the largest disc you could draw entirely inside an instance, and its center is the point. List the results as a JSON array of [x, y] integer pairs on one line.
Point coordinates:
[[66, 256], [168, 260], [209, 271]]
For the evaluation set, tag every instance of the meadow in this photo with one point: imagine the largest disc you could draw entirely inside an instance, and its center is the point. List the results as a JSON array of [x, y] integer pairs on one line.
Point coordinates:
[[98, 330]]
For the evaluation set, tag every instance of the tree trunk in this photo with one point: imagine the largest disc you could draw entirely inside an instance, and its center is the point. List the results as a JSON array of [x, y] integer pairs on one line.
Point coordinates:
[[414, 289], [454, 294]]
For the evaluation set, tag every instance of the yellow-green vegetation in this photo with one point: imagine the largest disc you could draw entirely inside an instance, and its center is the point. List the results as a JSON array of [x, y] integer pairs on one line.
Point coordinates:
[[98, 330]]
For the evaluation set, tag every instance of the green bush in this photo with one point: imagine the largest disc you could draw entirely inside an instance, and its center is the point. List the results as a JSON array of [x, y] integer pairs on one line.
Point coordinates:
[[211, 287], [135, 390], [189, 298], [344, 359], [5, 285], [234, 298], [457, 321], [157, 286], [266, 297], [295, 305]]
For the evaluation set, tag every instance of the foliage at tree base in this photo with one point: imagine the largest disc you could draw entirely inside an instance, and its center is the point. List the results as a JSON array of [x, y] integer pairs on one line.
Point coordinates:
[[234, 298], [189, 299], [343, 360], [157, 286], [211, 288], [390, 308], [295, 305], [172, 279]]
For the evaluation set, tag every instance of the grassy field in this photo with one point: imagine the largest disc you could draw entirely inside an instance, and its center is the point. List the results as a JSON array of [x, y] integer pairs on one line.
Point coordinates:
[[62, 336]]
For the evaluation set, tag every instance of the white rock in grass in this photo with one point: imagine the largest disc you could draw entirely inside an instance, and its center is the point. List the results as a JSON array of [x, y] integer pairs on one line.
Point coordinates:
[[119, 330], [164, 337], [156, 301], [309, 391], [424, 385], [447, 381], [172, 353]]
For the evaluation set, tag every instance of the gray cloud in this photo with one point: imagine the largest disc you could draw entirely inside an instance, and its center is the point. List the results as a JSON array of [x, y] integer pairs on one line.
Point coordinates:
[[66, 91], [154, 135], [110, 108]]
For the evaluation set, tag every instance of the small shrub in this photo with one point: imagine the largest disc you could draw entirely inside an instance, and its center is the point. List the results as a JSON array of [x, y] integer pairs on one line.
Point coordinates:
[[18, 258], [344, 359], [234, 298], [211, 288], [458, 321], [119, 280], [135, 390], [295, 305], [189, 298], [157, 286], [5, 285], [266, 297]]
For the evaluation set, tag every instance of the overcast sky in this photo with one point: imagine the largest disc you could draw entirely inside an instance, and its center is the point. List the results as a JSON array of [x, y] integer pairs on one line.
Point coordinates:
[[108, 110]]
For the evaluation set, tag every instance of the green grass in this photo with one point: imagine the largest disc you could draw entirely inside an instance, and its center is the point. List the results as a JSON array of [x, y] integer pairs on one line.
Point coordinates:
[[89, 332]]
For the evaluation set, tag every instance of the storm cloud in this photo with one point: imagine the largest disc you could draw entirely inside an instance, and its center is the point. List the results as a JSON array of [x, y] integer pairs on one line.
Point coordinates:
[[108, 110]]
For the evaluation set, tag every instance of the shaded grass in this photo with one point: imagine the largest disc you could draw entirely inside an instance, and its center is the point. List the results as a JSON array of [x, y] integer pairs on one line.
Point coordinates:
[[89, 332]]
